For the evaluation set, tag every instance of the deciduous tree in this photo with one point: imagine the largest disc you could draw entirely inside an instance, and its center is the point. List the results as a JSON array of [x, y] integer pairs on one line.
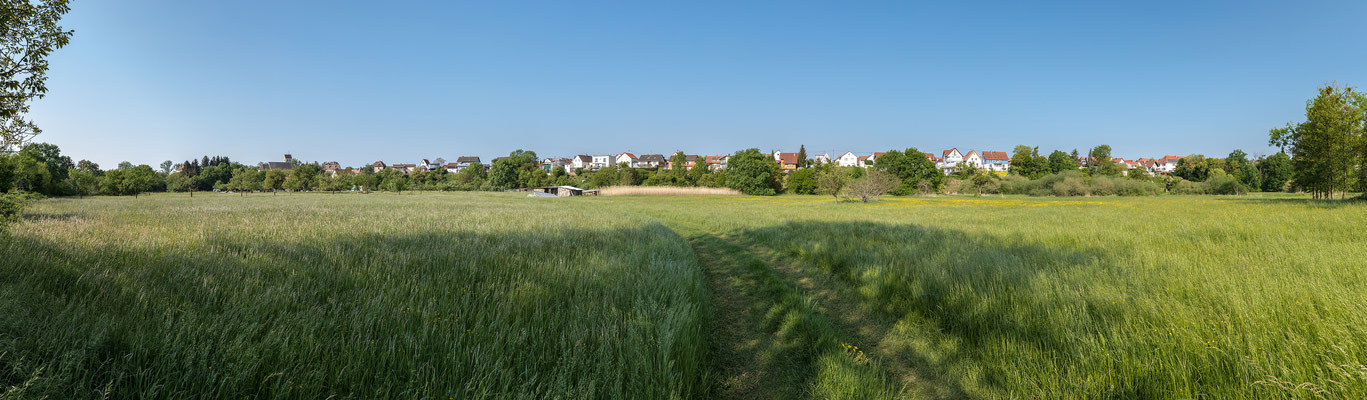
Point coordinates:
[[874, 184], [30, 34], [753, 173]]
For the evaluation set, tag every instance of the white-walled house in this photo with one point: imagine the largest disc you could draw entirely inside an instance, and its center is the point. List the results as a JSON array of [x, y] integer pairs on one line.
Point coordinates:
[[974, 159], [1166, 165], [628, 158], [873, 158], [847, 160], [996, 161], [950, 160], [716, 162], [465, 161], [823, 158], [600, 162], [650, 160], [581, 161]]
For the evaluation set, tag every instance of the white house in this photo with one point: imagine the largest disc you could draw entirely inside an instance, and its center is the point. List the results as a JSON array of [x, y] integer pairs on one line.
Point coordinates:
[[950, 160], [600, 162], [847, 160], [823, 158], [465, 161], [716, 162], [628, 158], [996, 161], [581, 162], [973, 159], [650, 160], [1166, 165], [873, 158]]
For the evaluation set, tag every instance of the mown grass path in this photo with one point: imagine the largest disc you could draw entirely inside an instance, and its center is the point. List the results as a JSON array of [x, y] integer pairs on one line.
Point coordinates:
[[741, 371], [769, 339], [852, 320]]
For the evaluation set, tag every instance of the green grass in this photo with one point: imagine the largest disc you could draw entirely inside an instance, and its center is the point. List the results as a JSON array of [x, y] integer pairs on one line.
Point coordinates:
[[361, 296], [377, 296]]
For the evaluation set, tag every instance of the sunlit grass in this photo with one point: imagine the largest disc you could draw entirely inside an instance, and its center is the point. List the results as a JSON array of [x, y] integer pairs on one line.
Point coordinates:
[[1165, 297], [425, 295], [360, 296]]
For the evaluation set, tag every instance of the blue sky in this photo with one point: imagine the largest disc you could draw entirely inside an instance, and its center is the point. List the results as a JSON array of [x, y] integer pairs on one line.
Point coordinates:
[[355, 82]]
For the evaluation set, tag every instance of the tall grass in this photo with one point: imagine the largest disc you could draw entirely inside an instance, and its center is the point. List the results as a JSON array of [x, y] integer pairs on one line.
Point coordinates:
[[495, 295], [1160, 297], [352, 296]]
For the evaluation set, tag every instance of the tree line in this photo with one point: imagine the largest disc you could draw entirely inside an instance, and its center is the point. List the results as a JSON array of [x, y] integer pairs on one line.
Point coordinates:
[[1328, 150]]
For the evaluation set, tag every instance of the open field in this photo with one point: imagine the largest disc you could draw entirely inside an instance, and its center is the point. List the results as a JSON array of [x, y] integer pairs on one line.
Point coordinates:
[[435, 295]]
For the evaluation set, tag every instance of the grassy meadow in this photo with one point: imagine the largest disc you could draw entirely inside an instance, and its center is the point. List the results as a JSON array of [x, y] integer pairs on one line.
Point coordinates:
[[495, 295]]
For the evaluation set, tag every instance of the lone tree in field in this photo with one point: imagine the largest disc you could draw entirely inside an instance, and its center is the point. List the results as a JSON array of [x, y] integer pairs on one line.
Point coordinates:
[[980, 179], [30, 34], [874, 183], [831, 180], [753, 173], [1327, 150]]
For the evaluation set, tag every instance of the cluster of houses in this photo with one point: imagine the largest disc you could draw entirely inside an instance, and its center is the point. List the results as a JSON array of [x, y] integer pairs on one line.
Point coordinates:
[[947, 161]]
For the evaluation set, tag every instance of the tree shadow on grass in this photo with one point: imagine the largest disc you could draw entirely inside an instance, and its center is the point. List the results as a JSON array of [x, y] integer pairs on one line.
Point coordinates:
[[607, 313], [973, 290]]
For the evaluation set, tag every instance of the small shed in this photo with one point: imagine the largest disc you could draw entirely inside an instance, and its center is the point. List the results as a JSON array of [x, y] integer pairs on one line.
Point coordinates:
[[564, 191]]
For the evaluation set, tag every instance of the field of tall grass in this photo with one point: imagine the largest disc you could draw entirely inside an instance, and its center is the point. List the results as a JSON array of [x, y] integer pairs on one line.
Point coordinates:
[[1017, 297], [478, 295], [347, 296]]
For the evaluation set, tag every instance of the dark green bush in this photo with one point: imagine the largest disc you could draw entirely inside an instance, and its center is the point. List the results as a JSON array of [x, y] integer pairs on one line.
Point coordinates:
[[12, 206]]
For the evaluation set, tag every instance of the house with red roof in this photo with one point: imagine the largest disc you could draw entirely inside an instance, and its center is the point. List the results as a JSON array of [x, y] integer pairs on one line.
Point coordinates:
[[1166, 165], [717, 162], [625, 158], [996, 161], [786, 161]]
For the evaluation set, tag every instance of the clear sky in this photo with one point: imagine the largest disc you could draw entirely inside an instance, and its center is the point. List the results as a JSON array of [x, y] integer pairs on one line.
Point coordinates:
[[360, 81]]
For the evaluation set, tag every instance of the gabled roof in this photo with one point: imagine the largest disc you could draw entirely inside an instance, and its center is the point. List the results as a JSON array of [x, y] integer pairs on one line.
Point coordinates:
[[378, 164], [931, 157], [877, 154], [583, 158], [846, 153], [972, 153], [787, 158], [655, 158], [467, 159], [716, 159], [629, 155], [951, 150], [996, 155]]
